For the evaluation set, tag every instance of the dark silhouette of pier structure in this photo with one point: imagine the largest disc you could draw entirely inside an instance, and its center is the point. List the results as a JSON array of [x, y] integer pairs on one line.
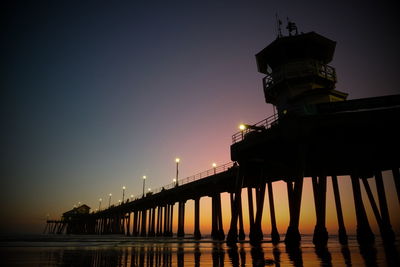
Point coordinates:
[[315, 132]]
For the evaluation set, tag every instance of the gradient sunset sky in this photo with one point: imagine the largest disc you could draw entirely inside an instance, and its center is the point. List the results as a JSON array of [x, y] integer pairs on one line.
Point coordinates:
[[96, 95]]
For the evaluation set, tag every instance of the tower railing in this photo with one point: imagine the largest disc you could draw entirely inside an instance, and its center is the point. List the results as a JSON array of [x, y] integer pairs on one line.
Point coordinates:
[[297, 70], [259, 126]]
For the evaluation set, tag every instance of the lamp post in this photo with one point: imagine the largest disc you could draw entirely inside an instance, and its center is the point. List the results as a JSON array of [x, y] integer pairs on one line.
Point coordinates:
[[100, 203], [109, 200], [177, 160], [174, 180], [215, 167], [123, 193], [144, 182]]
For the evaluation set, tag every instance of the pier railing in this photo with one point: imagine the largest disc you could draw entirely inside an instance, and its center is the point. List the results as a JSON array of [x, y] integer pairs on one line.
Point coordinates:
[[259, 126], [186, 180], [201, 175]]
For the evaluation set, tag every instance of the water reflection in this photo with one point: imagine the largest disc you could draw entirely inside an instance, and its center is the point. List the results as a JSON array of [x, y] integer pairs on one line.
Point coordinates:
[[277, 255], [324, 255], [392, 255], [295, 256], [237, 257], [218, 255], [369, 254], [208, 254], [346, 255]]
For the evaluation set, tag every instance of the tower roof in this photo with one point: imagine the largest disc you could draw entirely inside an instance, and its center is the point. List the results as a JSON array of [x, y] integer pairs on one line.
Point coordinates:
[[296, 47]]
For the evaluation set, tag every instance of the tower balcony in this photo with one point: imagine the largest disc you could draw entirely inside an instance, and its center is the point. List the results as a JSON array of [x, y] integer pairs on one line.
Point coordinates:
[[310, 70]]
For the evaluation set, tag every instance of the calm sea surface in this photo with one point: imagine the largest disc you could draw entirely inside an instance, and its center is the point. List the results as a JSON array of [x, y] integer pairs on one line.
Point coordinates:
[[124, 251]]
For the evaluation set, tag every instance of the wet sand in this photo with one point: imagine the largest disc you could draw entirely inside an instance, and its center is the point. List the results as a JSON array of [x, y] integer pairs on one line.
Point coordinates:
[[56, 250]]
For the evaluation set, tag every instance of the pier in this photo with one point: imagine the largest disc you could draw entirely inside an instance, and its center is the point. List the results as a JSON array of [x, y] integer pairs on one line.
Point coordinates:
[[316, 133]]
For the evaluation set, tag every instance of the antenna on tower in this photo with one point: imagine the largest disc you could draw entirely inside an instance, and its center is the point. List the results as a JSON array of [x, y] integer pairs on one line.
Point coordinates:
[[278, 26], [291, 27]]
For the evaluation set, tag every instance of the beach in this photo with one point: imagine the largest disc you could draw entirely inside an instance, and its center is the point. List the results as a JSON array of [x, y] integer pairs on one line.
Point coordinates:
[[62, 250]]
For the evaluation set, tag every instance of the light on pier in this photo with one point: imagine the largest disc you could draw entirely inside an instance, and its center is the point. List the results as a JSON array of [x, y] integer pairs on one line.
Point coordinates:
[[177, 160], [144, 182]]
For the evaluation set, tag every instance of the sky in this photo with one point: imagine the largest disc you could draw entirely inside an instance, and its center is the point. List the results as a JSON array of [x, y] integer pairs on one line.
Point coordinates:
[[96, 94]]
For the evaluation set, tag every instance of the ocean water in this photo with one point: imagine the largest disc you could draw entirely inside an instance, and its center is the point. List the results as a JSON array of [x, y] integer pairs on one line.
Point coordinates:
[[122, 251]]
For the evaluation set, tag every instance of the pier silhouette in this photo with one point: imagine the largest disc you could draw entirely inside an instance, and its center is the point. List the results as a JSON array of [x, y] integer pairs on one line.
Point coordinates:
[[316, 133]]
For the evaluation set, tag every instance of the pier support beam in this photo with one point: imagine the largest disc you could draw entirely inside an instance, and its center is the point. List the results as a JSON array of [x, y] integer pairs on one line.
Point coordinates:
[[294, 189], [166, 220], [169, 209], [128, 225], [364, 232], [382, 217], [342, 230], [251, 207], [197, 234], [256, 234], [143, 232], [320, 237], [181, 219], [241, 235], [232, 236], [135, 223], [274, 230], [159, 221], [396, 178], [236, 212], [171, 223], [217, 232], [152, 221]]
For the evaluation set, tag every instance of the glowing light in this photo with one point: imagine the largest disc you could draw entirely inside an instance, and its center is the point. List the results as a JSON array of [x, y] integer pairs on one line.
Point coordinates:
[[214, 165], [144, 177], [242, 127], [177, 160]]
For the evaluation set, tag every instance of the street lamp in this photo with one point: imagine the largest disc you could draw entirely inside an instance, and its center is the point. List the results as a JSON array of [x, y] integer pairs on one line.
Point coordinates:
[[144, 182], [123, 193], [174, 180], [131, 197], [177, 170], [100, 203], [109, 200], [215, 167]]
